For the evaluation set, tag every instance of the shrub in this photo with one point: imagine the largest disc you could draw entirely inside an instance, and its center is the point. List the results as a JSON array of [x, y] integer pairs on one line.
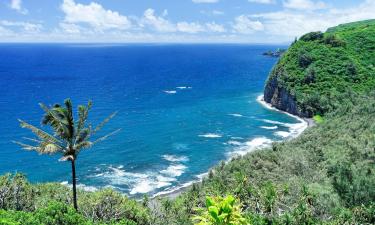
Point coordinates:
[[334, 41], [304, 59], [109, 205], [312, 36], [16, 193], [220, 211]]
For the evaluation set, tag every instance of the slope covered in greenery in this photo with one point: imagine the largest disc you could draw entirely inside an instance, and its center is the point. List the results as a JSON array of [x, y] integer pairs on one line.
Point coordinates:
[[319, 67], [325, 176]]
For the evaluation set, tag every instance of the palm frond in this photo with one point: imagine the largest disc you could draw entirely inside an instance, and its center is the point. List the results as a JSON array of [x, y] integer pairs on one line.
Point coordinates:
[[106, 136], [69, 115], [32, 139], [83, 145], [49, 148], [83, 112], [105, 121], [42, 135], [58, 119], [83, 135], [43, 147], [44, 107], [26, 146]]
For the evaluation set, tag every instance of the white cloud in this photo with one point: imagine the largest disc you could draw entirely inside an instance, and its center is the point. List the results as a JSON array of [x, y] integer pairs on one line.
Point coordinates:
[[25, 26], [291, 24], [94, 15], [5, 32], [205, 1], [263, 1], [70, 28], [244, 25], [304, 4], [189, 27], [17, 5], [214, 27], [158, 23], [161, 24]]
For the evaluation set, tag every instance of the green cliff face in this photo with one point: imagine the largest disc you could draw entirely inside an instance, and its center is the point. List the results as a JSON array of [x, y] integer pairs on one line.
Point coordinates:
[[315, 72]]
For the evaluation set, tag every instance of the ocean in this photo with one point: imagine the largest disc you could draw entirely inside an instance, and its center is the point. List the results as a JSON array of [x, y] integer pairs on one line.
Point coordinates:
[[182, 109]]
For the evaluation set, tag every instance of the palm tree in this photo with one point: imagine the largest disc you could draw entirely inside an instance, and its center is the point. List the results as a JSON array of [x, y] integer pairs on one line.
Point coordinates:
[[70, 136]]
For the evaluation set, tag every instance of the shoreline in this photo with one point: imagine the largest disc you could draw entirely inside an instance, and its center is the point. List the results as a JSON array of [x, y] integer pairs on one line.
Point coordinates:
[[307, 123]]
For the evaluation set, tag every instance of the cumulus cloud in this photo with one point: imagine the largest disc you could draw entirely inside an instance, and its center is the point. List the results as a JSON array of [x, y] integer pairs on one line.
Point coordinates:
[[4, 32], [161, 24], [263, 1], [25, 26], [205, 1], [70, 28], [189, 27], [158, 23], [17, 5], [214, 27], [244, 25], [94, 15], [304, 4], [296, 23]]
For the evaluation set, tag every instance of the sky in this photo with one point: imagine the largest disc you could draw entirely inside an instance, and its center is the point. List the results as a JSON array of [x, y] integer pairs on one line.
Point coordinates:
[[174, 21]]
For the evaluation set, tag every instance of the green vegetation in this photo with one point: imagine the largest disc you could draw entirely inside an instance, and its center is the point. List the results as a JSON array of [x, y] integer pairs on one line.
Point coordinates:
[[24, 203], [69, 137], [220, 211], [325, 176], [318, 119], [319, 68]]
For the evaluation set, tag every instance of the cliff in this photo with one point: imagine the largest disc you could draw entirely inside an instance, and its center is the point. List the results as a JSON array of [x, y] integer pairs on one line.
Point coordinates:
[[320, 68]]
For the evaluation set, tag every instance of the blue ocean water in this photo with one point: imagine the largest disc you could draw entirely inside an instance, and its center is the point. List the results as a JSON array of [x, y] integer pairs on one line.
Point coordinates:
[[182, 109]]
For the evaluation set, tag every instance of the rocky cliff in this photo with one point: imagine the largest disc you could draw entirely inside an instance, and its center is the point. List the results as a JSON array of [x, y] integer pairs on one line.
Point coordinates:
[[321, 68], [280, 98]]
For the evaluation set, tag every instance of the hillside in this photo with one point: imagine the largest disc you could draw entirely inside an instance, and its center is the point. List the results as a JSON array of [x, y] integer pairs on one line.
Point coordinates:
[[313, 74], [325, 176]]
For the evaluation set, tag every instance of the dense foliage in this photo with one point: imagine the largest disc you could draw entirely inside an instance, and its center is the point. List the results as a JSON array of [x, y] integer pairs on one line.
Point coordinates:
[[325, 176], [51, 204], [220, 211], [320, 67]]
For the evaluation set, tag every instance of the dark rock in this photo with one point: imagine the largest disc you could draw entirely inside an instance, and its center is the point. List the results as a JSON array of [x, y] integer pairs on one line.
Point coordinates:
[[280, 98]]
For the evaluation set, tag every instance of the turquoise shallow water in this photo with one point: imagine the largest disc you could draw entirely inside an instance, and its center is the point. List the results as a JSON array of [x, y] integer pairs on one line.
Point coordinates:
[[182, 109]]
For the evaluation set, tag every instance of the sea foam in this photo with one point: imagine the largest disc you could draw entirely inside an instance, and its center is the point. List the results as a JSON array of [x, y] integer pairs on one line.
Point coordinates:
[[269, 127], [171, 92], [210, 135], [295, 129], [249, 146], [174, 158], [236, 115]]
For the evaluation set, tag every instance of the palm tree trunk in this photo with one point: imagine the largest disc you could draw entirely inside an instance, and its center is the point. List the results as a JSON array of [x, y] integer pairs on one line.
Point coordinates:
[[74, 185]]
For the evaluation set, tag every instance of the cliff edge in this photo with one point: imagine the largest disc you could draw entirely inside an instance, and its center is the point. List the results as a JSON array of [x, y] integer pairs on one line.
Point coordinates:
[[319, 69]]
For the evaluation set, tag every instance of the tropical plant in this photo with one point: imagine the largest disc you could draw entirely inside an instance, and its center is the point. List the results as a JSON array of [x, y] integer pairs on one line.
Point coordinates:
[[220, 211], [70, 136]]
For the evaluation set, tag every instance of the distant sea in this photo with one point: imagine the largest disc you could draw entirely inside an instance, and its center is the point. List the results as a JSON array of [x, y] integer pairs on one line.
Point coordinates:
[[182, 109]]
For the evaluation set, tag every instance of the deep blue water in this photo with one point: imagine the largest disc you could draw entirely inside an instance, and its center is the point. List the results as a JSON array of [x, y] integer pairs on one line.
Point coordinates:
[[182, 109]]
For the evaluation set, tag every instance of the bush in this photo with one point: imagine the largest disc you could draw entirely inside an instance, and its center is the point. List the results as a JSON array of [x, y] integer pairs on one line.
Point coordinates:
[[304, 59], [312, 36], [334, 41], [109, 205], [220, 211], [16, 193], [54, 214]]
